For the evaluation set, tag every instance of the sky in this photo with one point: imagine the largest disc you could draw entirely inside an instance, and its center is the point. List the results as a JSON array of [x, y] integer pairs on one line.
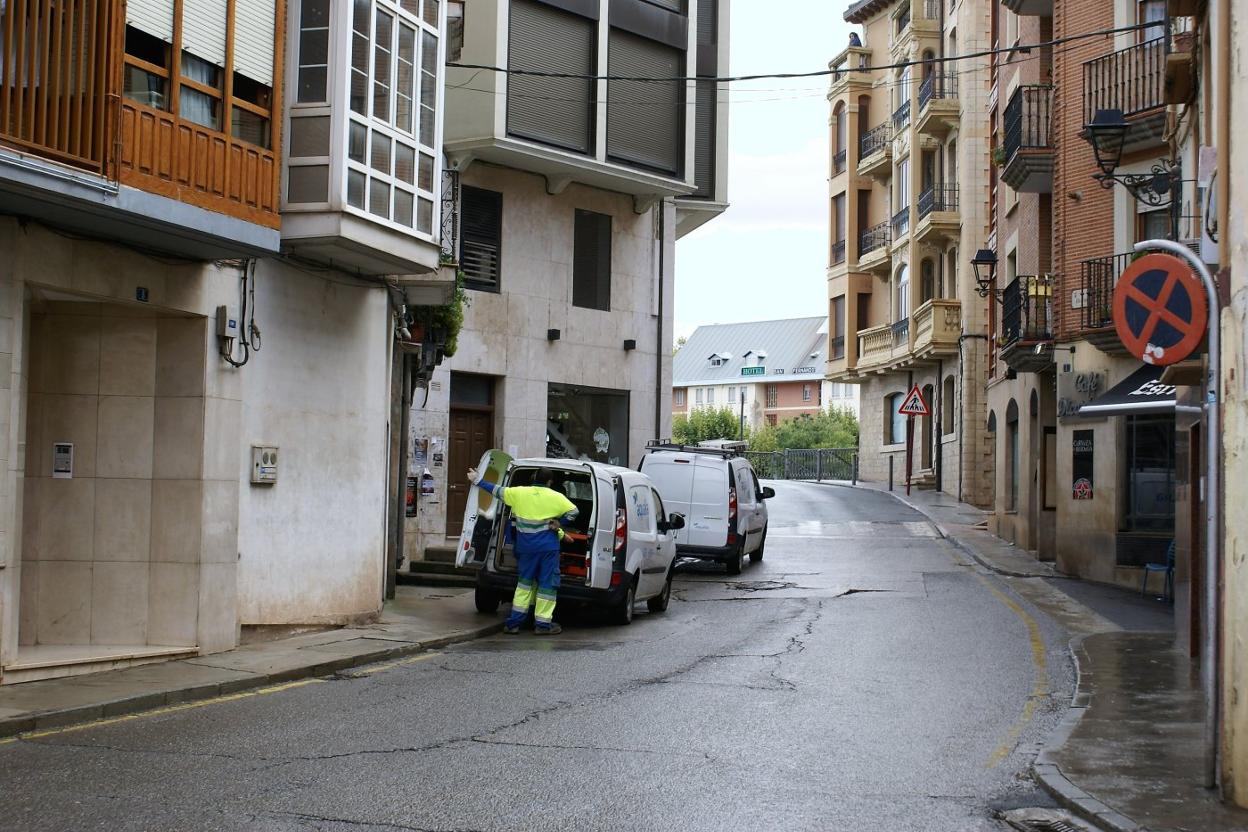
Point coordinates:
[[766, 256]]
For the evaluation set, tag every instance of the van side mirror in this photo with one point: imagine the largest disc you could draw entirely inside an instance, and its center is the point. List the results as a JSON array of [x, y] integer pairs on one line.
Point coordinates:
[[768, 492], [675, 522]]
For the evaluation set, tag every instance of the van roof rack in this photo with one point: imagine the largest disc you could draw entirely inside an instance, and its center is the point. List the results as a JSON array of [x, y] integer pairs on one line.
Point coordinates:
[[728, 448]]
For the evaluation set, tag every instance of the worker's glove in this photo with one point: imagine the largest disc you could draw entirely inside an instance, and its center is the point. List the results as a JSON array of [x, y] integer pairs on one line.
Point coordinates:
[[472, 476], [553, 525]]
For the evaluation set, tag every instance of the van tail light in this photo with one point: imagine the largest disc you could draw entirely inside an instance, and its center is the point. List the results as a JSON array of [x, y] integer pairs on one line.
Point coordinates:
[[621, 530], [732, 516]]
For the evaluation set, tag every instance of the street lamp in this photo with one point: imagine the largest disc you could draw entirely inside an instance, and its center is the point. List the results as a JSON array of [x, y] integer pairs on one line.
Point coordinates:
[[1108, 134], [985, 265]]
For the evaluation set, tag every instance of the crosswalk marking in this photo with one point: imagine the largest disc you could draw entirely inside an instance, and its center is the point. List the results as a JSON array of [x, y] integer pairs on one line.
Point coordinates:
[[853, 529]]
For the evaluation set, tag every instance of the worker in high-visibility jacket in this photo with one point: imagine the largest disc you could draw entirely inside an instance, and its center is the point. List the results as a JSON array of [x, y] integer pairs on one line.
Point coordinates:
[[537, 512]]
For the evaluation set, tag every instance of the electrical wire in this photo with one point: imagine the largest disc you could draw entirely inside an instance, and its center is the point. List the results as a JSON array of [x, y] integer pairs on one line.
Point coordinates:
[[818, 73]]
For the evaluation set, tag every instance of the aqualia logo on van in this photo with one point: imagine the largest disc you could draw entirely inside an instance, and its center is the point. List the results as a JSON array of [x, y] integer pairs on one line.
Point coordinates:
[[640, 506]]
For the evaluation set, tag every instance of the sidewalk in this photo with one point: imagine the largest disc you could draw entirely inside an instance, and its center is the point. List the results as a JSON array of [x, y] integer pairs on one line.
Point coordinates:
[[1128, 755], [416, 620]]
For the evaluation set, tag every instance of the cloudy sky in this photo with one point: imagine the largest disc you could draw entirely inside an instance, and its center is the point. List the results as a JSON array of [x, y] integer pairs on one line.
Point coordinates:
[[766, 256]]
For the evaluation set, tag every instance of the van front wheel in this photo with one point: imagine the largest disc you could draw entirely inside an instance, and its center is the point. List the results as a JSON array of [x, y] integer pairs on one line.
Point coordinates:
[[659, 602], [757, 555], [622, 613]]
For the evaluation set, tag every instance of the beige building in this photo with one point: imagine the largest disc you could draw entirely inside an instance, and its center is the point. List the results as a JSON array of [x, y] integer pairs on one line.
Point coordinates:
[[195, 394], [909, 192], [573, 194]]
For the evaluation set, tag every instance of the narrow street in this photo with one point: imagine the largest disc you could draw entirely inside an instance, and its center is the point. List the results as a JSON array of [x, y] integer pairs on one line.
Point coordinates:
[[866, 675]]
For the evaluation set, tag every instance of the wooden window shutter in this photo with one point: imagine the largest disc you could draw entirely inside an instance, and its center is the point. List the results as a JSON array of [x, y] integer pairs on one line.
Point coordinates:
[[480, 254]]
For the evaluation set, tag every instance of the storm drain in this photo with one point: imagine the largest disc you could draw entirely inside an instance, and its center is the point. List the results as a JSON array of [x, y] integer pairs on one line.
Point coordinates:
[[1043, 820]]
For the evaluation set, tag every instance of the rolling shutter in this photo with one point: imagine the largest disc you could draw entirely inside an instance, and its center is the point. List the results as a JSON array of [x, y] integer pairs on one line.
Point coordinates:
[[644, 117], [203, 30], [152, 16], [704, 139], [255, 25], [708, 22], [556, 111], [480, 247]]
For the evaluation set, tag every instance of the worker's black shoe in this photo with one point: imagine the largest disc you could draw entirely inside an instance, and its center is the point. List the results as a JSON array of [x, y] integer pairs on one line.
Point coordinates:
[[511, 631], [552, 630]]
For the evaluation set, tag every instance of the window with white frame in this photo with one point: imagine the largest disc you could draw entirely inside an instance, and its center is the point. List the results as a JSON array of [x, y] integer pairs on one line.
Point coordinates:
[[680, 398], [697, 396], [392, 132], [710, 395], [806, 392]]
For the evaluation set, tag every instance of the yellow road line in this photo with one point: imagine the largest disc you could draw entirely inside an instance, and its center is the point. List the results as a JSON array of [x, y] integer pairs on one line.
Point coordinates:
[[378, 668], [1039, 658], [171, 709]]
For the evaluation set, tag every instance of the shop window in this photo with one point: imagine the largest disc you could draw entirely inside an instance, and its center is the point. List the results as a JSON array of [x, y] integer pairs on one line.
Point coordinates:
[[1150, 474], [587, 423]]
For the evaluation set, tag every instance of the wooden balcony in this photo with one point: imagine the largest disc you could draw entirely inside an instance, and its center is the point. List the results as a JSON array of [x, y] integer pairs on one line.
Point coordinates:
[[107, 166], [937, 327]]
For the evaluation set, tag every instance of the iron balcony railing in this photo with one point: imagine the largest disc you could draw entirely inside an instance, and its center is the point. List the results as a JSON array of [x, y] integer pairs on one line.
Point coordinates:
[[901, 116], [450, 216], [901, 223], [938, 198], [838, 252], [1099, 276], [901, 333], [838, 162], [1132, 80], [838, 347], [1027, 119], [873, 140], [938, 85], [874, 237], [1027, 309]]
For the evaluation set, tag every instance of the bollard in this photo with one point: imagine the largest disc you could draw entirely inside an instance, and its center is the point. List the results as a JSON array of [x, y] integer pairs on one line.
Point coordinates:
[[890, 472], [854, 470]]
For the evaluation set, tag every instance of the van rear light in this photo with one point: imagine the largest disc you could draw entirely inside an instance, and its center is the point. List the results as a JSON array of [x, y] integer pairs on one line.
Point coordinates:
[[617, 578], [621, 530], [732, 516]]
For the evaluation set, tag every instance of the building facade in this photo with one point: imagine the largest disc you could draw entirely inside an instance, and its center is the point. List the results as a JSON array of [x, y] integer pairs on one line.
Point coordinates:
[[196, 392], [909, 190], [765, 371], [574, 191]]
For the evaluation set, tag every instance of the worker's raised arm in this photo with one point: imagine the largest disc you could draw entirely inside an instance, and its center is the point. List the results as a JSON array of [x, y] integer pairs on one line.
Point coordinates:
[[487, 487]]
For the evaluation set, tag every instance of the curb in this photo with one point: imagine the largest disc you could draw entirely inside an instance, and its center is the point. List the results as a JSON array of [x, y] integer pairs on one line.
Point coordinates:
[[14, 726], [1050, 775]]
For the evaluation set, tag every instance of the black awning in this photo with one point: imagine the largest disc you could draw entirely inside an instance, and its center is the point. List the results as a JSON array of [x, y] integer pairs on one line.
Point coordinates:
[[1140, 392]]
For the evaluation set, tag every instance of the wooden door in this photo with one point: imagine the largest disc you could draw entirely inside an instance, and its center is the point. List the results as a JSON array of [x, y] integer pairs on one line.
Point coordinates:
[[471, 435]]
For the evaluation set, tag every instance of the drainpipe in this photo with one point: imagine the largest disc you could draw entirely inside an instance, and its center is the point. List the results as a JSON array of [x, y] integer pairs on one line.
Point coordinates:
[[658, 328], [939, 393]]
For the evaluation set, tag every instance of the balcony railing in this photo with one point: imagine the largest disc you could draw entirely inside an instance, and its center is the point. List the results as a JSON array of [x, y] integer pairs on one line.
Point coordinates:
[[901, 116], [937, 326], [940, 85], [54, 99], [901, 223], [1131, 80], [838, 252], [901, 334], [838, 162], [875, 346], [1100, 274], [874, 237], [938, 198], [1027, 119], [450, 216], [873, 140], [1027, 309]]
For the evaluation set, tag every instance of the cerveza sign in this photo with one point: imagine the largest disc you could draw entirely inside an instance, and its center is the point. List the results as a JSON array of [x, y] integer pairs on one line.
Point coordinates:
[[753, 371]]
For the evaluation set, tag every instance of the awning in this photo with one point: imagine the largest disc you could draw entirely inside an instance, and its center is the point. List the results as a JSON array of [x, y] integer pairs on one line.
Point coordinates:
[[1140, 392]]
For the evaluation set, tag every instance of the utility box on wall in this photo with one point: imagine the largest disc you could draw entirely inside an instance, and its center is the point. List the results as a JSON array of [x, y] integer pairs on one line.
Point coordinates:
[[263, 465]]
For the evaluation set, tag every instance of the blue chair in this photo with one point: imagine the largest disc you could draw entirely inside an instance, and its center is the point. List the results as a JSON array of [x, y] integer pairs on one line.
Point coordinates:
[[1167, 568]]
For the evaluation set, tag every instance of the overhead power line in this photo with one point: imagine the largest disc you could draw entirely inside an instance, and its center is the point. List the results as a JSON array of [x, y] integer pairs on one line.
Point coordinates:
[[727, 79]]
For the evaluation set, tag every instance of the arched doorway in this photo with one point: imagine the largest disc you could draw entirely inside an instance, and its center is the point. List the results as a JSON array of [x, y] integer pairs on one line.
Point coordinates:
[[1012, 473], [929, 396]]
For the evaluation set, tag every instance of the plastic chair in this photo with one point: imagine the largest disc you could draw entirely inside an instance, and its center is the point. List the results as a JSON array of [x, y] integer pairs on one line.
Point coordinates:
[[1167, 568]]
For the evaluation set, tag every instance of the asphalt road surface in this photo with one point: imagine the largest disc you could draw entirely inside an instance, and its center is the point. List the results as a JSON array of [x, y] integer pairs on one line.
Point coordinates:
[[865, 676]]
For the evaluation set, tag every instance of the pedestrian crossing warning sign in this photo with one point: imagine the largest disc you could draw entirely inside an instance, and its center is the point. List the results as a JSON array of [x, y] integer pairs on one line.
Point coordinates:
[[914, 404]]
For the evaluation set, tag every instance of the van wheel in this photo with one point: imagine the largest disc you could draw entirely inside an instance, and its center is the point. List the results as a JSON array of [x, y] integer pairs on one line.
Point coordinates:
[[622, 613], [734, 561], [757, 555], [487, 601], [659, 602]]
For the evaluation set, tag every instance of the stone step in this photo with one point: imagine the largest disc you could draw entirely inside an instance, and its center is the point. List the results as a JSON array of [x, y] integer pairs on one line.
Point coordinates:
[[435, 579], [440, 554], [429, 567]]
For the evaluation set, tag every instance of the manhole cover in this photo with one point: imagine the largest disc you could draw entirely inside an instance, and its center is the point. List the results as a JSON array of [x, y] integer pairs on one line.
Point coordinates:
[[1044, 820]]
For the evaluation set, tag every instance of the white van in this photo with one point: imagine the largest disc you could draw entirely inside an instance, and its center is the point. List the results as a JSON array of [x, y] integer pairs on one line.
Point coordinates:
[[720, 497], [619, 550]]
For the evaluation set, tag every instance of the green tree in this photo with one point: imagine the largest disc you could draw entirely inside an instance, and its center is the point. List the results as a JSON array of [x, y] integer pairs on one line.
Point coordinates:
[[831, 428], [703, 424]]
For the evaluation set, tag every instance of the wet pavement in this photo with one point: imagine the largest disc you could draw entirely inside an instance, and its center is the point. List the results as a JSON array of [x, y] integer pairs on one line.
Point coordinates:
[[866, 675]]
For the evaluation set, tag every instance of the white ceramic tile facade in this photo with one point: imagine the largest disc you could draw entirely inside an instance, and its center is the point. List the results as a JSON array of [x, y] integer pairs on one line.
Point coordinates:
[[64, 606], [180, 356], [123, 520], [127, 356], [177, 508], [173, 603], [179, 439], [68, 418], [119, 593], [218, 606], [220, 522], [72, 364], [60, 520], [29, 603], [124, 445]]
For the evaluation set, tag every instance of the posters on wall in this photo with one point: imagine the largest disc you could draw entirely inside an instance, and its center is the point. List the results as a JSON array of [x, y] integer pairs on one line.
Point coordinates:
[[1082, 446]]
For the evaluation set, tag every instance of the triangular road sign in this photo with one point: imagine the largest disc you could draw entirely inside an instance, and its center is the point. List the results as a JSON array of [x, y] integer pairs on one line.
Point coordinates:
[[914, 404]]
